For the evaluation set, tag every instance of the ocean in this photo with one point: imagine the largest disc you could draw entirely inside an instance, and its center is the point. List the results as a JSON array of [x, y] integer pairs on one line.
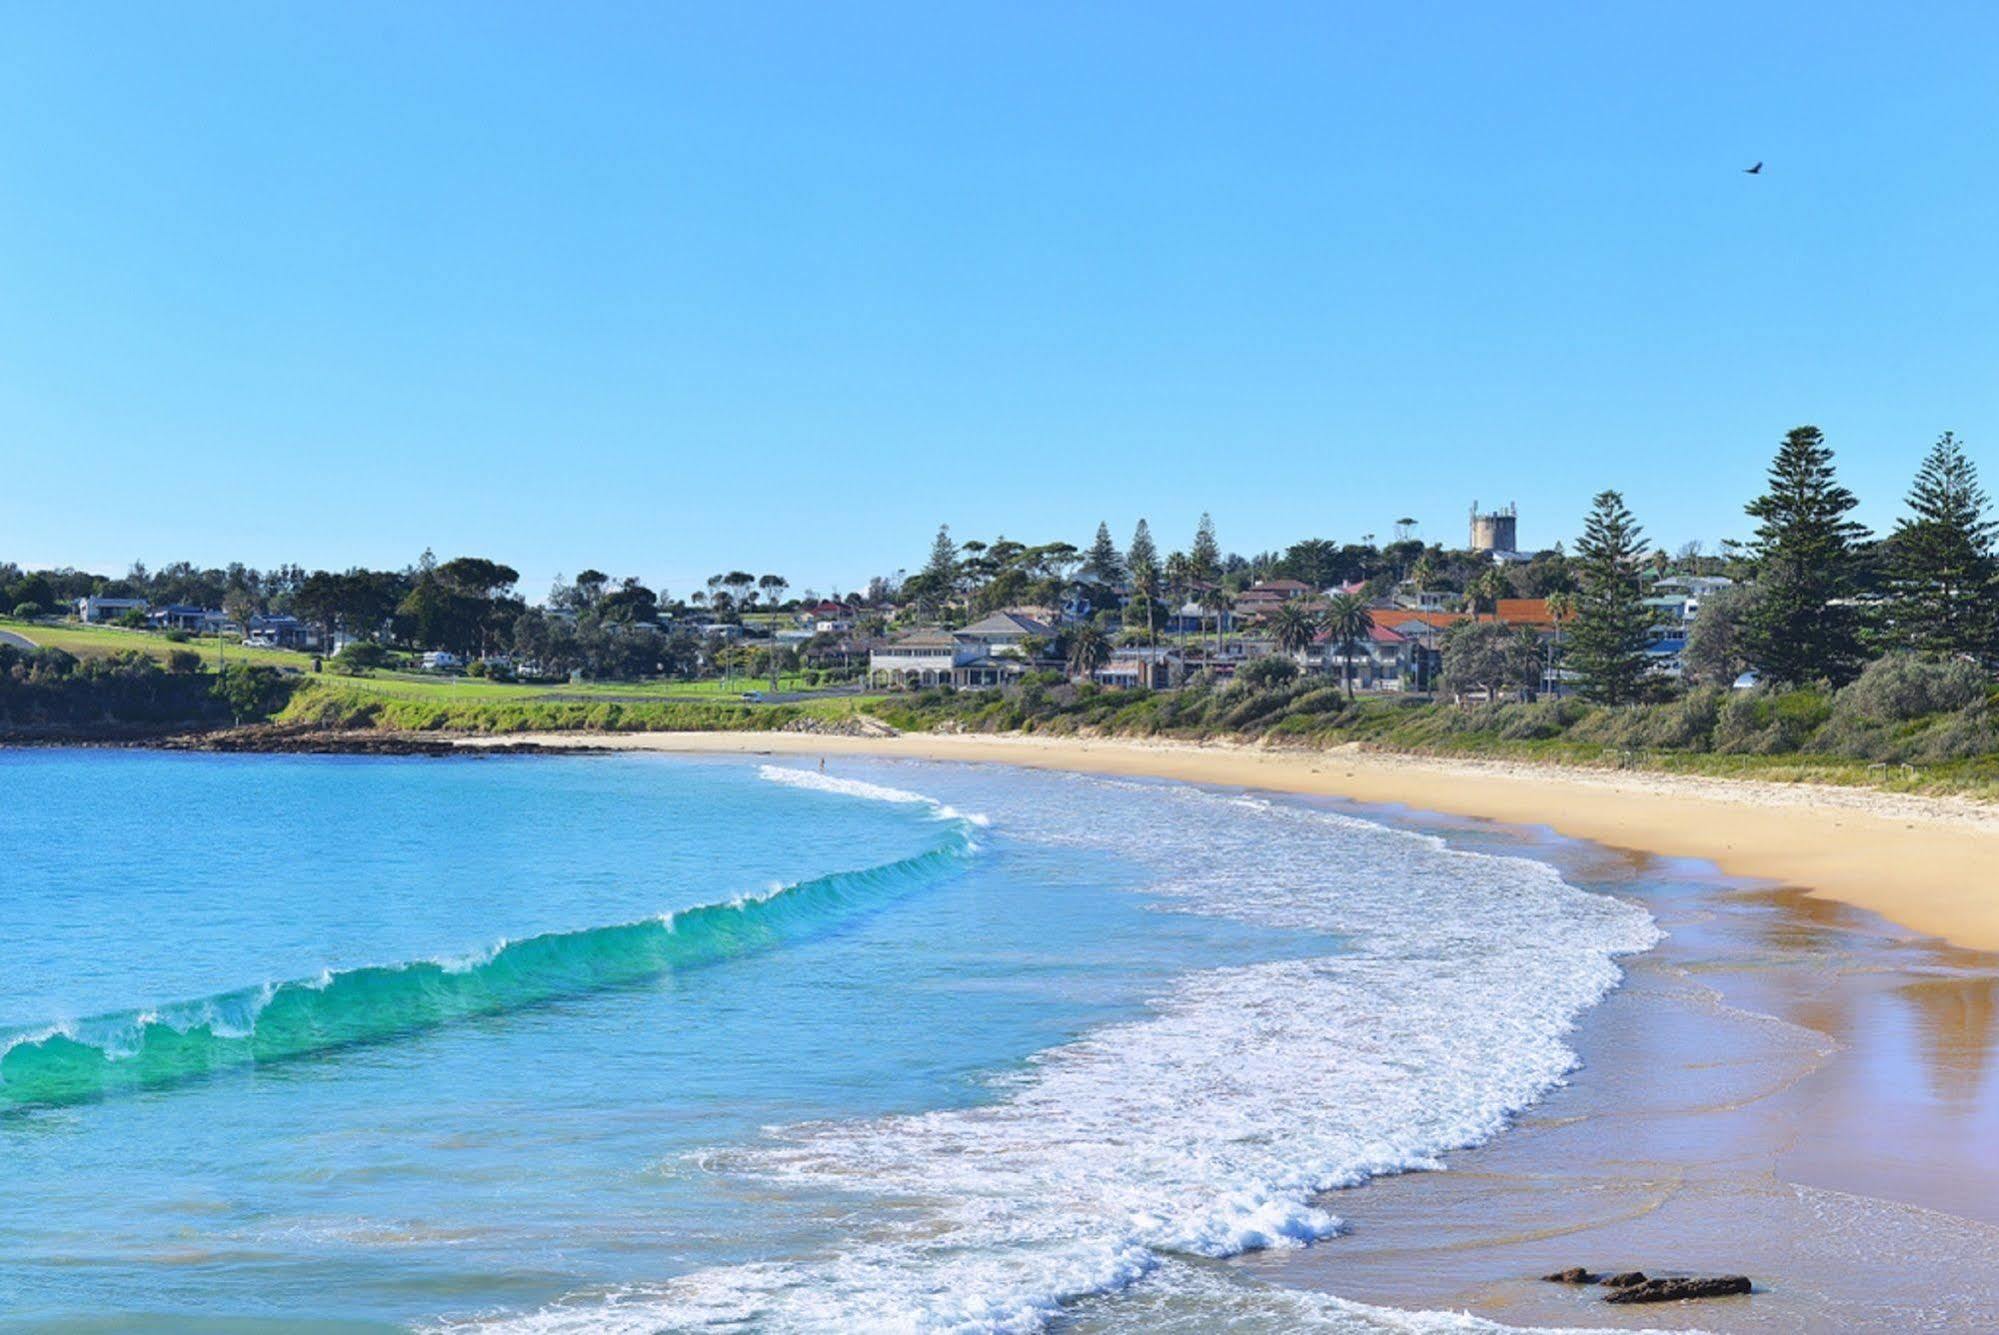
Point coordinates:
[[649, 1043]]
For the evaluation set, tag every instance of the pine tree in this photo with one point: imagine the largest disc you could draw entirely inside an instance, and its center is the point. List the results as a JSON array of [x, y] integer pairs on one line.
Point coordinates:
[[936, 584], [1804, 624], [1206, 554], [942, 567], [1104, 565], [1142, 555], [1607, 640], [1141, 559], [1945, 601]]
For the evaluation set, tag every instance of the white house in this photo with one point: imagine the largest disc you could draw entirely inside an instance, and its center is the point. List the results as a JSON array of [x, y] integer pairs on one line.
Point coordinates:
[[100, 610], [921, 658]]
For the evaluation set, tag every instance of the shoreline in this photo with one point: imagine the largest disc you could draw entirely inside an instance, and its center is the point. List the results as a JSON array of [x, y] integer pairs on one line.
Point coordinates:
[[1924, 863], [1784, 1086]]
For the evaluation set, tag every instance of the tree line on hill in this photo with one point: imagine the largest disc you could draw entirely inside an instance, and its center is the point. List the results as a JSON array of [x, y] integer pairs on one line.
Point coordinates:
[[1816, 597]]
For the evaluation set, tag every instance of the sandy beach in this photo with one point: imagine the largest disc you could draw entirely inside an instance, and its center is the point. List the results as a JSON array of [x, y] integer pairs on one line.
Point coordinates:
[[1929, 864]]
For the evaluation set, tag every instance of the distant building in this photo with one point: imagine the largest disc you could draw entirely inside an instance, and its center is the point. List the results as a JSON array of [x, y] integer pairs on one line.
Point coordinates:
[[184, 616], [279, 632], [97, 611], [1006, 632], [1495, 530], [1138, 665]]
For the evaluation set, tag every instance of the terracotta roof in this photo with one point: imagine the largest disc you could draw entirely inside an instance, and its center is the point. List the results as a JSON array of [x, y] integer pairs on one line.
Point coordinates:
[[1527, 612]]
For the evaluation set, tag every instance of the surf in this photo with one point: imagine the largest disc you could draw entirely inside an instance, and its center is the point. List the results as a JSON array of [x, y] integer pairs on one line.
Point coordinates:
[[127, 1051]]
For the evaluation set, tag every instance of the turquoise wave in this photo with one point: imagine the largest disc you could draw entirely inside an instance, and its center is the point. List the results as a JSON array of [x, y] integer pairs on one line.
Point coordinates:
[[135, 1050]]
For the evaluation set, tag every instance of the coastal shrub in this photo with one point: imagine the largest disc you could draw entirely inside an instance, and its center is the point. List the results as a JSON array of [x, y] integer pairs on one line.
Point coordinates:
[[1904, 686], [253, 694], [1267, 672], [183, 661], [1686, 724], [27, 611], [1968, 734], [176, 635], [1537, 722], [1768, 723], [357, 658], [1320, 700]]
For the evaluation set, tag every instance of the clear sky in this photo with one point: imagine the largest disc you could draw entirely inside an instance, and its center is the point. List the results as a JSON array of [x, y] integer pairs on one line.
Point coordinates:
[[669, 289]]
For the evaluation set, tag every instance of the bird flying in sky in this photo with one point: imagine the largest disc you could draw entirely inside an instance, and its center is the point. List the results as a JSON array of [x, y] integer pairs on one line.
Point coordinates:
[[1753, 171]]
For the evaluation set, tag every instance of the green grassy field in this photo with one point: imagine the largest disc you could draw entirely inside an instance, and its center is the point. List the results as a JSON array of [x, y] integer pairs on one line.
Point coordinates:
[[97, 641], [493, 707]]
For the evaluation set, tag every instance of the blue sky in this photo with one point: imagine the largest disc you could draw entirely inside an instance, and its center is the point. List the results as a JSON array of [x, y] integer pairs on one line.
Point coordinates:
[[670, 289]]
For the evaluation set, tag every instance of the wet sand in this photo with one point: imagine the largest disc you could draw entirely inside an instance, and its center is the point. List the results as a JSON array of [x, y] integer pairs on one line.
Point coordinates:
[[1787, 1087]]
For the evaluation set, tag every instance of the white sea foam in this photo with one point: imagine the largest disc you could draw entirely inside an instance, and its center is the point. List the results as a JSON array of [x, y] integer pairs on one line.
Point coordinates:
[[1213, 1125], [873, 792]]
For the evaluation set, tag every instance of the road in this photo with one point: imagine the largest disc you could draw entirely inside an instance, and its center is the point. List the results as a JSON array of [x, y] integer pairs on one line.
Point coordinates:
[[9, 638]]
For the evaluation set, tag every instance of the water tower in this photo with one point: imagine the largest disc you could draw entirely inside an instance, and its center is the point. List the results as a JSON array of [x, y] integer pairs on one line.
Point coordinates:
[[1495, 530]]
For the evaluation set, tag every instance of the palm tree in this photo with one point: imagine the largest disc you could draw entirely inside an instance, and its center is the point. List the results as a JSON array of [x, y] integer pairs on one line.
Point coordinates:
[[773, 588], [1561, 606], [1488, 586], [1422, 572], [1295, 626], [1144, 588], [1348, 619], [1088, 651], [1215, 599]]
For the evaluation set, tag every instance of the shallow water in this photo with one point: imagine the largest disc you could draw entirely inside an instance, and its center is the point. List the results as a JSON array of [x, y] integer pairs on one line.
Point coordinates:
[[647, 1042]]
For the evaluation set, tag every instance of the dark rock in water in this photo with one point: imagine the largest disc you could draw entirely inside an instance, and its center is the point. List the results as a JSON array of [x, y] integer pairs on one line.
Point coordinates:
[[1575, 1274], [1672, 1290], [1623, 1279]]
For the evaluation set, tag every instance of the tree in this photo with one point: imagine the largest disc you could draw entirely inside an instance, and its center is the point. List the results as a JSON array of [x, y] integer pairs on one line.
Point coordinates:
[[1216, 602], [1423, 571], [239, 605], [1315, 561], [1805, 624], [1143, 553], [1103, 565], [1488, 657], [1295, 626], [1141, 561], [1088, 651], [1267, 674], [1561, 610], [773, 588], [1347, 621], [1487, 588], [1607, 650], [1205, 556], [1941, 562], [1715, 655]]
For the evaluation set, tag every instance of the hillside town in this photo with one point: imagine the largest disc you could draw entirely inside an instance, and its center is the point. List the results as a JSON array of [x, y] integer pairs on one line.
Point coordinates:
[[1614, 618]]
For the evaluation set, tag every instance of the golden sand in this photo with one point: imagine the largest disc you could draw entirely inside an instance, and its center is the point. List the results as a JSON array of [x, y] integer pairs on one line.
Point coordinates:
[[1930, 864]]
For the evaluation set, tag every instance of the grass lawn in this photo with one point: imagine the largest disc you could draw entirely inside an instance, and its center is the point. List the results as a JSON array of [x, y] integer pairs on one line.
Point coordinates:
[[99, 641], [427, 686], [461, 705]]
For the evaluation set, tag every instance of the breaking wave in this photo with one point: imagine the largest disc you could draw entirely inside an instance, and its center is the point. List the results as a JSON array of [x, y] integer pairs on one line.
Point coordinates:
[[146, 1049]]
